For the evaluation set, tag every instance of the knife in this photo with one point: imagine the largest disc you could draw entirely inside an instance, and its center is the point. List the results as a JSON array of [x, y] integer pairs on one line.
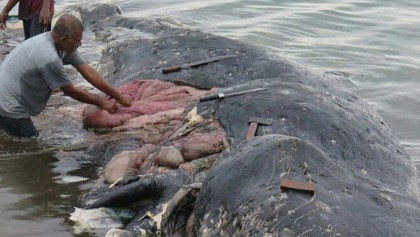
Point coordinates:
[[223, 95], [198, 63]]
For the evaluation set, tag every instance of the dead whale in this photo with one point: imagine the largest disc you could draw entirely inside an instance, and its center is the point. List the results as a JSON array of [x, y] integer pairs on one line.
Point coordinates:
[[322, 133]]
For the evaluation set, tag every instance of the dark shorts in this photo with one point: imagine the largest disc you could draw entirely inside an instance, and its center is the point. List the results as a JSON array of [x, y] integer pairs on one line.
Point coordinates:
[[32, 27], [20, 127]]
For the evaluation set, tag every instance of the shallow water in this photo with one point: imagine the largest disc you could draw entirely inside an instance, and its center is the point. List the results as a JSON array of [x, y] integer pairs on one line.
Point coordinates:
[[372, 44]]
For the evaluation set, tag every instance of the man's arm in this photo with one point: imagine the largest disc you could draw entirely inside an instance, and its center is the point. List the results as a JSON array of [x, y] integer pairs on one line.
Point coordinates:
[[5, 13], [94, 78], [86, 97], [45, 13]]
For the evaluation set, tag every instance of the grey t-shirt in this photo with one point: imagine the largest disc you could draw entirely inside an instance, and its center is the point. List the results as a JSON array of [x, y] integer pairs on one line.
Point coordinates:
[[29, 74]]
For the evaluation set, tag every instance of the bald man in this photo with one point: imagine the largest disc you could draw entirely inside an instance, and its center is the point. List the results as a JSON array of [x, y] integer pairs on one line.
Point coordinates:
[[35, 68]]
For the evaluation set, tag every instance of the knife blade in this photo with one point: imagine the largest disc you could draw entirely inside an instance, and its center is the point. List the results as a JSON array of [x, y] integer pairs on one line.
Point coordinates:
[[198, 63], [223, 95]]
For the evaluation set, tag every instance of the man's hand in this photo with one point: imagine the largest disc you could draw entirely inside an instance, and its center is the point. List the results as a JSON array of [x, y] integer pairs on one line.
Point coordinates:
[[5, 13], [45, 16], [3, 20], [110, 105], [125, 100]]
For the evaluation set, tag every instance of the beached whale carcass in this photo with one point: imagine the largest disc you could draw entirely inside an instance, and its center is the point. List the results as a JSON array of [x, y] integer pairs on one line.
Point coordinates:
[[321, 133]]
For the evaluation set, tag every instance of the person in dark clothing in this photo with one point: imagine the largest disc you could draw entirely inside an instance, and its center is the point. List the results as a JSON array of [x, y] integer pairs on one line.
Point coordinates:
[[35, 14]]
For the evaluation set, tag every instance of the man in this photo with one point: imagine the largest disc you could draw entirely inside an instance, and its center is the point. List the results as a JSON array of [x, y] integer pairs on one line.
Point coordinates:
[[35, 14], [30, 73]]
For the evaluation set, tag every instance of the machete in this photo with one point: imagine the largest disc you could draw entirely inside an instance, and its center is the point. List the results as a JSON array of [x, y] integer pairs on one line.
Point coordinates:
[[198, 63], [222, 95]]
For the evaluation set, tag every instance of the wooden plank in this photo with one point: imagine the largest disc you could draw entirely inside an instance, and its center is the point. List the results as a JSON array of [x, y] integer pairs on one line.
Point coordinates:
[[251, 130], [288, 184]]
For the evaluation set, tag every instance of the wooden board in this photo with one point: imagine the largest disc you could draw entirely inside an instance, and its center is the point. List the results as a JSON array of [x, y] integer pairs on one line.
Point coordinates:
[[288, 184]]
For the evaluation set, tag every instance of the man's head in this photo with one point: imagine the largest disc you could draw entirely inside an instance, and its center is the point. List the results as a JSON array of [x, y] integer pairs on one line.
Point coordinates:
[[67, 33]]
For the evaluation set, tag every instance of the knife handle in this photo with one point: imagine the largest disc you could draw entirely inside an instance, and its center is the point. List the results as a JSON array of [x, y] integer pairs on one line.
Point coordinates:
[[171, 69], [212, 97]]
